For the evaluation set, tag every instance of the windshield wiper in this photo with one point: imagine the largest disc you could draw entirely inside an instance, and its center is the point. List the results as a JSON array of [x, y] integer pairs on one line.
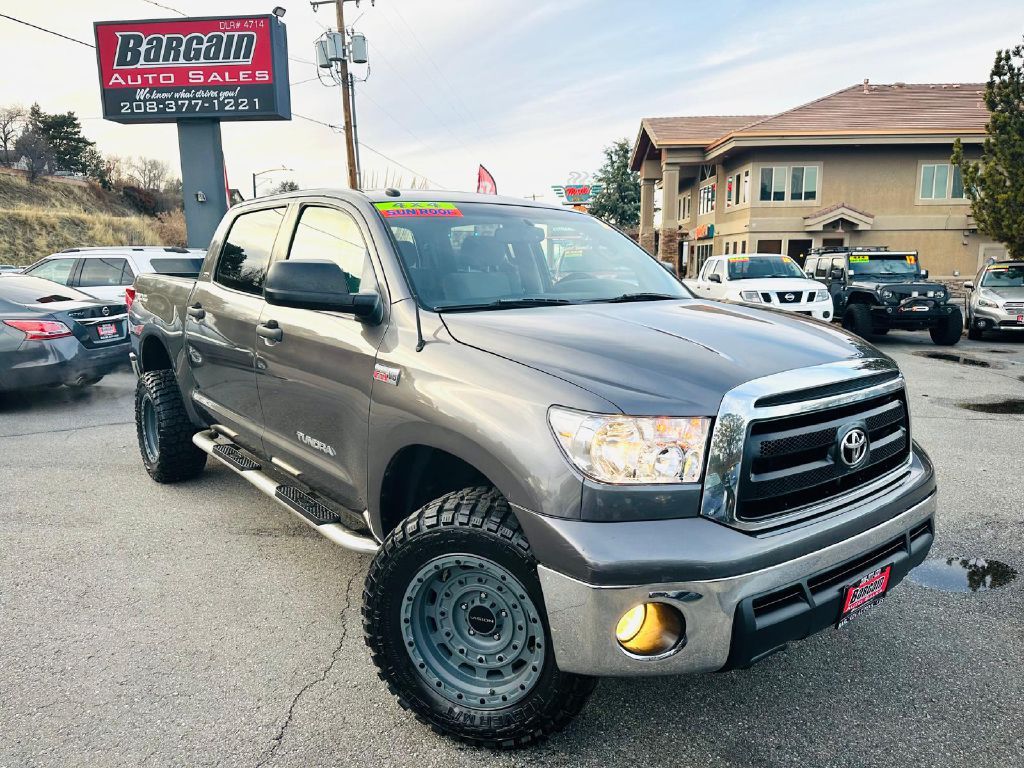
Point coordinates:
[[628, 297], [504, 304]]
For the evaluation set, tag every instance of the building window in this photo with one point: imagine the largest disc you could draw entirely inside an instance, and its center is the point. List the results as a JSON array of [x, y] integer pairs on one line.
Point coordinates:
[[703, 254], [684, 206], [727, 244], [706, 199], [743, 247], [803, 182], [745, 192], [773, 183], [941, 181], [769, 246]]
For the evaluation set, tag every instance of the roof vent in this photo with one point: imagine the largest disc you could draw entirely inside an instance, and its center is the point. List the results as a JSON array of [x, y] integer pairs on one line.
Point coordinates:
[[899, 84], [866, 84], [956, 85], [392, 192]]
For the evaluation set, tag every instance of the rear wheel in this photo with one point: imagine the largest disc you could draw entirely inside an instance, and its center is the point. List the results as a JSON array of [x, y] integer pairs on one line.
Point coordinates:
[[165, 430], [454, 617], [949, 329], [857, 319]]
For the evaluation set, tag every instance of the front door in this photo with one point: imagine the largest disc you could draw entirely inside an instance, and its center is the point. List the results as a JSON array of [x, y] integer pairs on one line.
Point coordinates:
[[314, 383], [220, 326], [836, 285]]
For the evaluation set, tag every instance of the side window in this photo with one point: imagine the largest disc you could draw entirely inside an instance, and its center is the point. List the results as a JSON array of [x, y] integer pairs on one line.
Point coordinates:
[[106, 270], [57, 270], [245, 257], [720, 268], [839, 262], [333, 235], [822, 269], [811, 265], [706, 271]]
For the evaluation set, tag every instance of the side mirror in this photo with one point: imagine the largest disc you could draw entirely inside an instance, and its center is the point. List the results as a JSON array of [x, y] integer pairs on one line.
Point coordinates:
[[318, 285], [924, 274], [809, 273], [837, 273], [969, 285], [714, 277]]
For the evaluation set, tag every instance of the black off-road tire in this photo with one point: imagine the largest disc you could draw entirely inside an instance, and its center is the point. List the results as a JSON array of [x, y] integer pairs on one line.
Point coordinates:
[[477, 522], [949, 330], [165, 430], [857, 319]]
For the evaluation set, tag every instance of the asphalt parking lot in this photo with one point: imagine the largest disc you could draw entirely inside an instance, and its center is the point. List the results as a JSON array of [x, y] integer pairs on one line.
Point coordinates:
[[201, 624]]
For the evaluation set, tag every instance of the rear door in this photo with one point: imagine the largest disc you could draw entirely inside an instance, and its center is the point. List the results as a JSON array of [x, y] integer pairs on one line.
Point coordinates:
[[315, 382], [220, 324]]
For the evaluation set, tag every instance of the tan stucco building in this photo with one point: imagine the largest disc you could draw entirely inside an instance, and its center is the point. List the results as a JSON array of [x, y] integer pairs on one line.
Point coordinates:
[[868, 165]]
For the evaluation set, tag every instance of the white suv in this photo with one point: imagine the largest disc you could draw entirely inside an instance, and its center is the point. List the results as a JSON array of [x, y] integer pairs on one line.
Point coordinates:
[[762, 279], [105, 272]]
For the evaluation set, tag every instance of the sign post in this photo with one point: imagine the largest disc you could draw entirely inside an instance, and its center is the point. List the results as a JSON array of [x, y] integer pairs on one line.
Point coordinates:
[[195, 72]]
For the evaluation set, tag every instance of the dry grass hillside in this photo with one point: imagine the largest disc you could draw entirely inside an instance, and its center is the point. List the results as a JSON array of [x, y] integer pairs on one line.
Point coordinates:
[[45, 217]]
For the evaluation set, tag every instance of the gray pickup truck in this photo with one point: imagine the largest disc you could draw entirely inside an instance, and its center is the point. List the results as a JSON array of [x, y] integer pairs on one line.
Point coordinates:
[[560, 474]]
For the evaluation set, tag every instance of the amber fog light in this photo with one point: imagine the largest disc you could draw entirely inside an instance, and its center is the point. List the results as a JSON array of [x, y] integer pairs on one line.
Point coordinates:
[[650, 629]]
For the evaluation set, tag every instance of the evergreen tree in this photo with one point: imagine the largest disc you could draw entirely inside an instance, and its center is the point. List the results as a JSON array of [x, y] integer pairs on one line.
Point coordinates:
[[618, 202], [63, 133], [995, 186]]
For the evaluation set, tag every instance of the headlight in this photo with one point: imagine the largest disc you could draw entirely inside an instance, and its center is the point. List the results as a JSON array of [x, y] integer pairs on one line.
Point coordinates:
[[822, 296], [988, 303], [887, 294], [752, 296], [632, 450]]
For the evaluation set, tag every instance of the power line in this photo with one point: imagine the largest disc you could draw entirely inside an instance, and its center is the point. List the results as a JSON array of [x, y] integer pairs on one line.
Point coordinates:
[[48, 31], [166, 7], [406, 167]]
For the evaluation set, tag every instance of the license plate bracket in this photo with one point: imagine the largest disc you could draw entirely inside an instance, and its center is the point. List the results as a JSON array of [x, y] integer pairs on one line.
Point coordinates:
[[107, 331], [864, 594]]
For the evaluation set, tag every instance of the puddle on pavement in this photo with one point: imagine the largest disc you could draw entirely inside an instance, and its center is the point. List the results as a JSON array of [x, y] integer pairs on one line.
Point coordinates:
[[962, 574], [1008, 406], [949, 357]]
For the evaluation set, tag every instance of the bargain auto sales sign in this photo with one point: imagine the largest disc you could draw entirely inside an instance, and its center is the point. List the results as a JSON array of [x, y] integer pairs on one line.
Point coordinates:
[[226, 68]]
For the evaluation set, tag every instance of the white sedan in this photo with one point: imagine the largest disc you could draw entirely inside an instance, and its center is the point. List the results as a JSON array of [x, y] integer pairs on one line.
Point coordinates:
[[762, 279]]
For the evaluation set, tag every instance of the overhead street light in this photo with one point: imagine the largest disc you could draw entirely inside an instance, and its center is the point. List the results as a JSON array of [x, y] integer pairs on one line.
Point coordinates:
[[260, 173]]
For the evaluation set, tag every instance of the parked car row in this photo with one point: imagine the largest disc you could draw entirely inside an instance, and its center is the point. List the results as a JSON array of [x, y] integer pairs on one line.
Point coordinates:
[[870, 290], [63, 320]]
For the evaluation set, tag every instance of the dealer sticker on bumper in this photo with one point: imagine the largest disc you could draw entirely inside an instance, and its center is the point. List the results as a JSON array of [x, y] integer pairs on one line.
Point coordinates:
[[860, 597]]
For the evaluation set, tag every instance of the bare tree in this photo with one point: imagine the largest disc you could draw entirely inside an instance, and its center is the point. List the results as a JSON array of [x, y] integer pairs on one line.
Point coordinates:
[[146, 172], [11, 119]]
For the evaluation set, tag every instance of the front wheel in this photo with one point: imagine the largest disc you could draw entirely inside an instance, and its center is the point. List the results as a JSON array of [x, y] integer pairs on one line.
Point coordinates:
[[454, 617], [949, 329], [857, 319]]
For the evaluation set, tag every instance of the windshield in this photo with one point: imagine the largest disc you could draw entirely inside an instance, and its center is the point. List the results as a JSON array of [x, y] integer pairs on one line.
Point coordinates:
[[1004, 276], [749, 267], [883, 264], [489, 256]]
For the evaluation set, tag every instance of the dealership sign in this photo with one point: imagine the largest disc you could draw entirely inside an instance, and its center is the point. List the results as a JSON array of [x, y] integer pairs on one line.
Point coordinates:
[[704, 232], [225, 68]]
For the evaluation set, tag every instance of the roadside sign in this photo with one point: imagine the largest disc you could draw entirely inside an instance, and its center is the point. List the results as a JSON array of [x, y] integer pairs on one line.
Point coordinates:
[[166, 70]]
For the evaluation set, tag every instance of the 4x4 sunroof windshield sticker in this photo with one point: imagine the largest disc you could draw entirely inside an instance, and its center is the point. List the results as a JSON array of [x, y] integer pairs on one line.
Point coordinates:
[[405, 210], [859, 258]]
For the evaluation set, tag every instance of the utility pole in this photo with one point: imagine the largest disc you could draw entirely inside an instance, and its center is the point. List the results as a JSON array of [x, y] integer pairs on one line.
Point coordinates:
[[346, 99]]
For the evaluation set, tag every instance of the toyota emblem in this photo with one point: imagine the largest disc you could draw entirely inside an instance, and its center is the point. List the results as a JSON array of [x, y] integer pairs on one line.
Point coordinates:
[[853, 447], [105, 311]]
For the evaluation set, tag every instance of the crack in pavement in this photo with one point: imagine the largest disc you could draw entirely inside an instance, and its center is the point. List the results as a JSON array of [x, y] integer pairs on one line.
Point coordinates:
[[70, 429], [279, 736]]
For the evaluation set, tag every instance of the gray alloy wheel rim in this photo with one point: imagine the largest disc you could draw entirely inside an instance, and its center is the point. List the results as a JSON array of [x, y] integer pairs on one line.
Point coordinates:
[[472, 632], [149, 429]]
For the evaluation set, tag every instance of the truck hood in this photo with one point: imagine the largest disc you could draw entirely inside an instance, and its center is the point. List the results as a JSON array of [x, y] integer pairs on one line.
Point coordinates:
[[659, 357]]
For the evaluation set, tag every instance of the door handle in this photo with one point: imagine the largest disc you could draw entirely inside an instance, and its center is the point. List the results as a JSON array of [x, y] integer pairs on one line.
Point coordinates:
[[270, 330], [196, 311]]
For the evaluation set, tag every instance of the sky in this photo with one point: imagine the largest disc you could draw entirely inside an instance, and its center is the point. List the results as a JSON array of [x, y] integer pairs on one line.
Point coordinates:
[[532, 90]]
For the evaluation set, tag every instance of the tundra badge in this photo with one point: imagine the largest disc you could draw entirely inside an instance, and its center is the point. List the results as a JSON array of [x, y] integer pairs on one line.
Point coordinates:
[[385, 374]]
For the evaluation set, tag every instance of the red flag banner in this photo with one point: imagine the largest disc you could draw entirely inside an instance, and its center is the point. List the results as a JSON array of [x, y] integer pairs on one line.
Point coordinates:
[[485, 182]]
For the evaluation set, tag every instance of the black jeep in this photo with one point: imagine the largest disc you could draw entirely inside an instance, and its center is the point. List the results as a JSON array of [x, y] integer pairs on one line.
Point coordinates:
[[874, 289]]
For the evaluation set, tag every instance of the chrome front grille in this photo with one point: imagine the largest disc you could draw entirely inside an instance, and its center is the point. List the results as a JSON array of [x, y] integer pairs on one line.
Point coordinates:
[[773, 457]]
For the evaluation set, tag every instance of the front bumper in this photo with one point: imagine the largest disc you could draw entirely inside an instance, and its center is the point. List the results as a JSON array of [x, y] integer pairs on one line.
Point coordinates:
[[819, 310], [913, 312], [1001, 319], [723, 627]]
